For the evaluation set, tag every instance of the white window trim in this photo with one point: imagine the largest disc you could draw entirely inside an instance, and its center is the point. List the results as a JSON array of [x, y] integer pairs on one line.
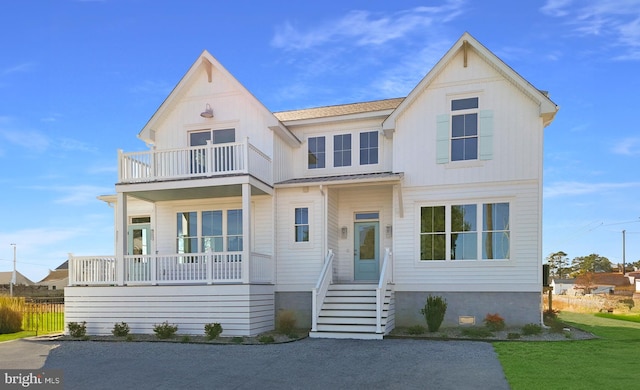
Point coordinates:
[[477, 162], [291, 229], [479, 215]]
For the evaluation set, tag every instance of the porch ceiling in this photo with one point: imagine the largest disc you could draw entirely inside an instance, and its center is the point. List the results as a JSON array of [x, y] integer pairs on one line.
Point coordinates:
[[193, 193]]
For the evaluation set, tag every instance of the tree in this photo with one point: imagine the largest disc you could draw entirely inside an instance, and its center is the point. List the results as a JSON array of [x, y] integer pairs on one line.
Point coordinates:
[[558, 264], [592, 263]]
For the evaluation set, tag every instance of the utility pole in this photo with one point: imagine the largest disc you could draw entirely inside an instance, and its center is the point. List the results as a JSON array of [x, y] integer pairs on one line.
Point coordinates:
[[623, 252], [13, 275]]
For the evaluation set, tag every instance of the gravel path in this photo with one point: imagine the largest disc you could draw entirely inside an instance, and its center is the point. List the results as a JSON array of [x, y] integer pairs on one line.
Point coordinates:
[[306, 364]]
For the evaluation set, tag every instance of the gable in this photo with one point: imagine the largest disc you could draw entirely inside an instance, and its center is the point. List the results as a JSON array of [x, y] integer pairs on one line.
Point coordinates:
[[469, 60]]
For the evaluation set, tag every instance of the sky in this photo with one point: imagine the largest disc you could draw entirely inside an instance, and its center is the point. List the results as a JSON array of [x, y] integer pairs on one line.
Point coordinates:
[[80, 78]]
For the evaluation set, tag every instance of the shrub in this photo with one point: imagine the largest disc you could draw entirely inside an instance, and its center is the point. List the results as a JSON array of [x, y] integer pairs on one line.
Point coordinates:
[[494, 322], [434, 311], [628, 302], [477, 332], [513, 336], [212, 331], [266, 339], [416, 329], [77, 329], [549, 315], [10, 320], [237, 339], [531, 329], [185, 339], [285, 322], [129, 337], [120, 330], [164, 330]]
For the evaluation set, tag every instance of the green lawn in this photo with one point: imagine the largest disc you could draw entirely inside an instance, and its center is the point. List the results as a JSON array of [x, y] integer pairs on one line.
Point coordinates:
[[608, 362], [623, 317]]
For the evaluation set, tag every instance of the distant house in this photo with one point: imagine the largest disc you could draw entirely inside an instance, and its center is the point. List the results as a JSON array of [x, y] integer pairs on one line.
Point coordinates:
[[58, 278], [350, 215], [5, 279], [564, 287]]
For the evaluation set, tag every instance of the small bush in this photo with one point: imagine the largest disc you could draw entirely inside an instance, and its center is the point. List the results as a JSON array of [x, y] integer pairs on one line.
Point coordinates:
[[531, 329], [237, 340], [129, 337], [556, 326], [285, 322], [513, 336], [416, 329], [434, 311], [77, 329], [477, 332], [266, 339], [212, 331], [185, 339], [628, 302], [164, 330], [549, 315], [10, 320], [494, 322], [120, 329]]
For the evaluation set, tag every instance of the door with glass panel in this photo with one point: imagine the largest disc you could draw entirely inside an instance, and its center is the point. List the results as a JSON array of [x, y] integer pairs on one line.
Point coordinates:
[[139, 247], [223, 157], [366, 251]]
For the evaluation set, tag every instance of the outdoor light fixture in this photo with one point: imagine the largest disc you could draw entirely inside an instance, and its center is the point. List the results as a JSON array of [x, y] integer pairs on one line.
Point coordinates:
[[343, 232], [208, 112]]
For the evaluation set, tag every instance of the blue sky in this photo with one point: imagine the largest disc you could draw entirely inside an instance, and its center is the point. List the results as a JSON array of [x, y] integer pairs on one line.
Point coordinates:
[[79, 79]]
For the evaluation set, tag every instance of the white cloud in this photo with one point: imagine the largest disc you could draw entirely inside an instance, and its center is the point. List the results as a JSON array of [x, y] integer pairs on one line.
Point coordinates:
[[19, 68], [574, 188], [32, 140], [627, 147], [75, 195], [363, 28], [616, 21]]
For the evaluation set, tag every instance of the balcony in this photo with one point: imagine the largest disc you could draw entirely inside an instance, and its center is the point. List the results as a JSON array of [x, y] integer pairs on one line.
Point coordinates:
[[182, 269], [211, 160]]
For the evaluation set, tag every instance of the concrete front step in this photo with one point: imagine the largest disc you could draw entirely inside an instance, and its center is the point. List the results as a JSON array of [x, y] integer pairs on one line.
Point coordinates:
[[346, 335]]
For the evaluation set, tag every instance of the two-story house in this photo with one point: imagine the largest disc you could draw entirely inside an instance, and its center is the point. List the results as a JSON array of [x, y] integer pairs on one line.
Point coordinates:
[[347, 215]]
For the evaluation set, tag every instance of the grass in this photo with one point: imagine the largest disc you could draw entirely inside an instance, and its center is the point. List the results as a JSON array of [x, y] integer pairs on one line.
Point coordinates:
[[608, 362], [17, 335], [623, 317]]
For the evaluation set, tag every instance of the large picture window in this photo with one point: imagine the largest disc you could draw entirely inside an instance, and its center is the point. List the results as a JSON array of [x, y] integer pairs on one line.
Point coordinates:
[[219, 231], [452, 232]]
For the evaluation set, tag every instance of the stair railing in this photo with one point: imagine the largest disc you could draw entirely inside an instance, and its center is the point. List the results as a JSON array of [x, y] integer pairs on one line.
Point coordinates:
[[385, 278], [320, 290]]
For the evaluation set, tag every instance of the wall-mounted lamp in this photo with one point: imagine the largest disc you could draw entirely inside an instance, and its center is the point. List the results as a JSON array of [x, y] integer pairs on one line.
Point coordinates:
[[389, 231], [208, 112], [343, 232]]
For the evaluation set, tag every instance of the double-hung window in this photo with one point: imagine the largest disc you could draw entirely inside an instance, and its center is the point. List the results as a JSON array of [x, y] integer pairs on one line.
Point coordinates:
[[301, 224], [452, 232], [317, 152], [464, 129], [342, 150], [369, 148]]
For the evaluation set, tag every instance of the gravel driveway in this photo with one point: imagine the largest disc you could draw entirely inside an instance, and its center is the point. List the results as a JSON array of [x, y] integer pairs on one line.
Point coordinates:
[[305, 364]]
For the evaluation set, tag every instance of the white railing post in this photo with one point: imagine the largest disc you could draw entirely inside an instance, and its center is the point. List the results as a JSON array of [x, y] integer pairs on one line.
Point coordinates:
[[382, 288], [245, 156], [319, 292], [72, 270]]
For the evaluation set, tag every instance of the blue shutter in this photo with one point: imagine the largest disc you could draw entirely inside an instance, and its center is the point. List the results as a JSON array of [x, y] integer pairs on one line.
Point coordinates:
[[442, 139], [486, 135]]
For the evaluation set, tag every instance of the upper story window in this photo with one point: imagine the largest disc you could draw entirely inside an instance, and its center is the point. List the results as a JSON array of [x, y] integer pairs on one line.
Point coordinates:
[[369, 148], [464, 129], [317, 152], [342, 150], [222, 136]]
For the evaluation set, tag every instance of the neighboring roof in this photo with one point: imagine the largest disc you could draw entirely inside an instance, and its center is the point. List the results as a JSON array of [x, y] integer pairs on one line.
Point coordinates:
[[564, 281], [548, 108], [342, 179], [614, 279], [5, 278], [338, 110], [58, 274], [64, 265]]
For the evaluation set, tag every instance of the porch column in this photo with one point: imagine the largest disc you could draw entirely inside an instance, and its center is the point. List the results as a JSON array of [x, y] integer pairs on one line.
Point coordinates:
[[246, 232], [121, 236]]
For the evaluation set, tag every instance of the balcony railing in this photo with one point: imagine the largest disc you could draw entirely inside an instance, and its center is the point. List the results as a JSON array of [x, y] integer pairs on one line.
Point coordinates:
[[193, 162], [191, 268]]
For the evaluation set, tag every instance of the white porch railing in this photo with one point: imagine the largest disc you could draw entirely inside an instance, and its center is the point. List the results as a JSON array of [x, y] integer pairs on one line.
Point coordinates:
[[191, 268], [197, 161], [385, 278], [320, 290]]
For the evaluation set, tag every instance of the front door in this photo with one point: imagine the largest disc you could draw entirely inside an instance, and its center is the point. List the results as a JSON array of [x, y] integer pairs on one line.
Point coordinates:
[[366, 252], [139, 239]]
